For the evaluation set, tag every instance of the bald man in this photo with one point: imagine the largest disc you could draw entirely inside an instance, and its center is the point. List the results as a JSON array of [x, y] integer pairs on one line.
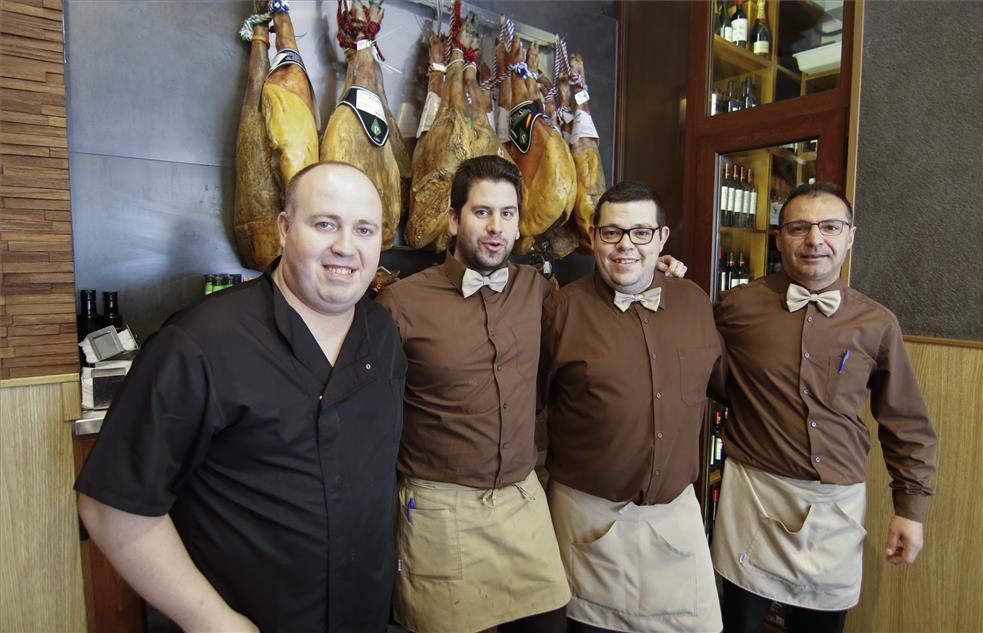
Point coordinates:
[[245, 475]]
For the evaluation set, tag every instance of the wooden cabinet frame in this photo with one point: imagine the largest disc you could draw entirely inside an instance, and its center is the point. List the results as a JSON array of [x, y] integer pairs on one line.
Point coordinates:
[[824, 116]]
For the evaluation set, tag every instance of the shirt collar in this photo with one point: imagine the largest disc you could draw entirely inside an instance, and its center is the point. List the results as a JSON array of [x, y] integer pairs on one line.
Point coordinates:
[[302, 342]]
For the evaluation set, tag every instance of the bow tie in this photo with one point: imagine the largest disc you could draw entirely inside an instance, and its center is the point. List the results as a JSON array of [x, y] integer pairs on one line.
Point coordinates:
[[797, 297], [473, 281], [649, 299]]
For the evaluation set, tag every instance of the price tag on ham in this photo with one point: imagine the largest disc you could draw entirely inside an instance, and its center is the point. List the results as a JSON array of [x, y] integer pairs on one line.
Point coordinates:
[[581, 97]]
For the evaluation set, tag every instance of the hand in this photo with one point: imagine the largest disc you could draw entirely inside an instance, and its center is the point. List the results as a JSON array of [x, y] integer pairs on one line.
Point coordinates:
[[904, 540], [671, 266]]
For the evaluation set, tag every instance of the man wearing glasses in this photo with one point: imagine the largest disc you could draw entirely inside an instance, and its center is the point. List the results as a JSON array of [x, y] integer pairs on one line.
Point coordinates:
[[627, 354], [802, 351]]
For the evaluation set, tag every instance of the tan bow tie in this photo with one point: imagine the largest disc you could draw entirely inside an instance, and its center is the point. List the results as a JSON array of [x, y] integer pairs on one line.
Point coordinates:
[[473, 281], [798, 297], [649, 299]]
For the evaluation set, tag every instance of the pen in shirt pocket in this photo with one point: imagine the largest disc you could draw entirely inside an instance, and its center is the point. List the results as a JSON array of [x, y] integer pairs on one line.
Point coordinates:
[[409, 507], [846, 357]]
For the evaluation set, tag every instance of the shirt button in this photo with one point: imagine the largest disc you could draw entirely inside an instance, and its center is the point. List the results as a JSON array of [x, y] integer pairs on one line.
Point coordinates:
[[658, 396], [505, 405], [645, 320], [320, 397], [653, 355], [819, 459], [812, 423], [491, 333], [368, 365], [807, 355], [506, 444], [501, 367], [656, 473], [806, 391], [809, 319], [659, 435]]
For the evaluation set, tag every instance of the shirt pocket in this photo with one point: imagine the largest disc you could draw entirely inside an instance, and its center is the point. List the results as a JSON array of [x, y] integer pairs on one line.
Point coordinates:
[[695, 365], [846, 381]]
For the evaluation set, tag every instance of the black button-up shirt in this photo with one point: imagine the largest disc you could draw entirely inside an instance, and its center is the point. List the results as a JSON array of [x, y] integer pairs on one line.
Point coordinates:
[[277, 469]]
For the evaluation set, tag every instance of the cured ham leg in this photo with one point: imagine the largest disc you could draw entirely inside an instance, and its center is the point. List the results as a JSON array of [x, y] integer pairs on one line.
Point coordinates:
[[288, 104], [257, 192], [358, 131]]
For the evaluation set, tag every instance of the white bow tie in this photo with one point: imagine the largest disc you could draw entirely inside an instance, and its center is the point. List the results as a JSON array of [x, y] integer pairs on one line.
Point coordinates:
[[473, 281], [798, 297], [649, 299]]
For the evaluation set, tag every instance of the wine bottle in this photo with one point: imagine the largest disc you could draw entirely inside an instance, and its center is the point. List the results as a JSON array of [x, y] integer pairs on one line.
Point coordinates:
[[718, 438], [731, 270], [110, 309], [738, 25], [739, 196], [760, 35], [734, 103], [726, 31], [753, 202], [724, 195], [722, 273], [750, 101], [731, 195], [88, 319], [743, 275]]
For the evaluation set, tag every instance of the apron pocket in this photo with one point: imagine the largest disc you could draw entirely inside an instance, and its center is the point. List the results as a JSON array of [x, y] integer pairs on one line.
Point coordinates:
[[633, 569], [825, 553], [428, 543]]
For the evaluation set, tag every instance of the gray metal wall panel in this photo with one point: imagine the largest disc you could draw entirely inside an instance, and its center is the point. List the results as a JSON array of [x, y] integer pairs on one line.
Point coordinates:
[[154, 91], [918, 203], [160, 225]]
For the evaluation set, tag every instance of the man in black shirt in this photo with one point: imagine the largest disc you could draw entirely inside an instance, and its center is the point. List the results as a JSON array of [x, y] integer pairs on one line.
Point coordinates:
[[245, 475]]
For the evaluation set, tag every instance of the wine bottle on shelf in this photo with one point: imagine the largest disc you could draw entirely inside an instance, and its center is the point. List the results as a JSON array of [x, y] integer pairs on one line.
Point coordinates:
[[760, 35], [718, 439], [731, 195], [88, 319], [734, 102], [752, 200], [739, 25], [723, 273], [724, 195], [750, 101], [743, 274], [110, 309], [731, 270], [739, 196], [746, 209], [726, 31]]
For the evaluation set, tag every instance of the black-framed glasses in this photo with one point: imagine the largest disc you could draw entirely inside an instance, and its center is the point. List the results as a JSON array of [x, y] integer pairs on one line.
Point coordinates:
[[639, 235], [801, 228]]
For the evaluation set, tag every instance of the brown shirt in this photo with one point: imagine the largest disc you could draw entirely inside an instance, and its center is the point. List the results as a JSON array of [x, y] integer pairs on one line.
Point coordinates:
[[627, 390], [796, 402], [470, 402]]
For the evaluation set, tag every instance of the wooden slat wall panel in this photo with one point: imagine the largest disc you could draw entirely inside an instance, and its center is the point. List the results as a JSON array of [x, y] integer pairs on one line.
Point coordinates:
[[940, 592], [37, 280]]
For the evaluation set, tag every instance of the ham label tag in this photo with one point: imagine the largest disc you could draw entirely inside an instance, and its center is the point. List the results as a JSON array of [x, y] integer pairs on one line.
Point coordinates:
[[368, 107], [286, 56], [521, 119]]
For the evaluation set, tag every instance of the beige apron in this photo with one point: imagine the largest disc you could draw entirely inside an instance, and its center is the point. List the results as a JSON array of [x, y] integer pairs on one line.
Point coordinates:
[[471, 559], [636, 568], [794, 541]]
